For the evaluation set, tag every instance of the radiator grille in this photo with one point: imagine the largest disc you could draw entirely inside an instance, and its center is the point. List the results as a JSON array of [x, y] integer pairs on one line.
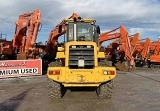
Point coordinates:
[[81, 52]]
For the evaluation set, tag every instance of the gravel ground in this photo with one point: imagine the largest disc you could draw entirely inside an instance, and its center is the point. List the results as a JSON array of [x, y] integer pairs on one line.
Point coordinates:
[[134, 91]]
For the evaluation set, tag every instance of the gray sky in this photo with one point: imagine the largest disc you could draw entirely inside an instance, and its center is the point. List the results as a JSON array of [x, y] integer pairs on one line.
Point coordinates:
[[141, 16]]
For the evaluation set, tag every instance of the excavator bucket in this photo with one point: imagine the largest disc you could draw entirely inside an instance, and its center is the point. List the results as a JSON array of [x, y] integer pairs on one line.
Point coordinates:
[[21, 56], [124, 66], [121, 47]]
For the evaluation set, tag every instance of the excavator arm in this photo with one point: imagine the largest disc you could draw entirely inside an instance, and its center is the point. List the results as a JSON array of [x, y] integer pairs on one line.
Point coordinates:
[[145, 50], [124, 41], [33, 28], [20, 32], [25, 36], [126, 46], [108, 37], [134, 41], [60, 29], [142, 48], [140, 53]]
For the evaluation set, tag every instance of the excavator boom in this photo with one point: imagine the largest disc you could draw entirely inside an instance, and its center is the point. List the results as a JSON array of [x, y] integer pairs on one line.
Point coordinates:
[[51, 46], [123, 41], [134, 41], [140, 53], [108, 37], [33, 29], [24, 40], [145, 49]]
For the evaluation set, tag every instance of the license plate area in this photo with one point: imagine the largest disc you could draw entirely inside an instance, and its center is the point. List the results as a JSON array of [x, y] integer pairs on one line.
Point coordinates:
[[81, 76]]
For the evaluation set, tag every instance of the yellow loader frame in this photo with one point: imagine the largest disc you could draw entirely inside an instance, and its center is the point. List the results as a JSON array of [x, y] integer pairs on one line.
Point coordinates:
[[81, 77]]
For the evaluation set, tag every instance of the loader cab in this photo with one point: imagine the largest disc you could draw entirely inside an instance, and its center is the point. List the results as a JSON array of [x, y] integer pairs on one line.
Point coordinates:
[[82, 31]]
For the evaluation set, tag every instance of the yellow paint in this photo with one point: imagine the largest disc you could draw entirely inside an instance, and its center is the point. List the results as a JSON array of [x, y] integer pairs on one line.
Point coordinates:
[[60, 49], [79, 77], [101, 55], [60, 55]]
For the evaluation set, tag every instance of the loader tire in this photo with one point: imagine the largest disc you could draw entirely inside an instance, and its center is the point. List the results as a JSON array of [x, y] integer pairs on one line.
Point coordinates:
[[55, 89], [105, 90]]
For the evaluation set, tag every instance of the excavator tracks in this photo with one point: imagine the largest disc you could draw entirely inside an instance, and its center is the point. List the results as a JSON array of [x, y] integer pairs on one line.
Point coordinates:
[[155, 66]]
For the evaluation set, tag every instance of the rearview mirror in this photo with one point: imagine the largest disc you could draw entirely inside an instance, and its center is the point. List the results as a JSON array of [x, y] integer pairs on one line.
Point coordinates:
[[98, 30]]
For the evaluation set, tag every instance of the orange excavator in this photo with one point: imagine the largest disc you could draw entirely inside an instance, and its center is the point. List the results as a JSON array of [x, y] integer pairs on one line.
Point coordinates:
[[5, 49], [140, 53], [52, 44], [134, 39], [123, 60], [24, 41], [139, 49], [154, 55]]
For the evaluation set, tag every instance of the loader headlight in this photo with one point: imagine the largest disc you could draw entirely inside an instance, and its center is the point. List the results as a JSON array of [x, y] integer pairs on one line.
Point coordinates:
[[60, 49], [73, 46], [88, 46], [108, 72], [105, 72]]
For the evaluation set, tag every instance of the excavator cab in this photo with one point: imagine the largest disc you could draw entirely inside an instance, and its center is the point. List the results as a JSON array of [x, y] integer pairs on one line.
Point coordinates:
[[78, 61]]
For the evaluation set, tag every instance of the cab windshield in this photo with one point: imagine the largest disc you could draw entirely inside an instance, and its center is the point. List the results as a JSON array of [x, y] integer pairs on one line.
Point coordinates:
[[84, 32]]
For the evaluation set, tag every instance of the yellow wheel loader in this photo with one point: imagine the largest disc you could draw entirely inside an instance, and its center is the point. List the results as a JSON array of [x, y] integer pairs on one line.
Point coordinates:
[[79, 62]]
